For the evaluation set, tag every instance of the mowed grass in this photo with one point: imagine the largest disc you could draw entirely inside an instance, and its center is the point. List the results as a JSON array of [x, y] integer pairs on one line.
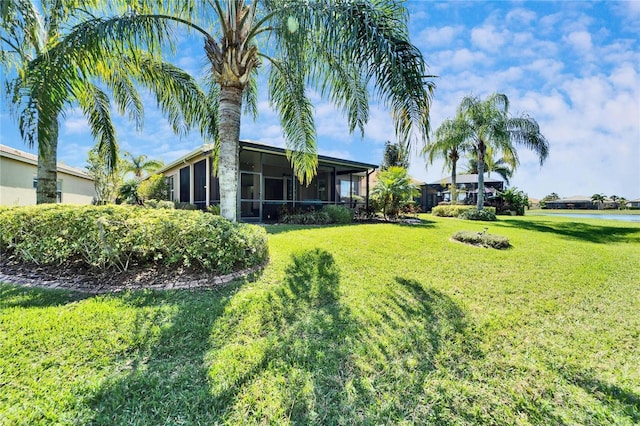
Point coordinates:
[[362, 324]]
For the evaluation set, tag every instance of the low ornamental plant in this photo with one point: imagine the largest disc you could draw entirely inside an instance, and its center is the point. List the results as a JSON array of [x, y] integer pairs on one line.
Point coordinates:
[[116, 237], [482, 239]]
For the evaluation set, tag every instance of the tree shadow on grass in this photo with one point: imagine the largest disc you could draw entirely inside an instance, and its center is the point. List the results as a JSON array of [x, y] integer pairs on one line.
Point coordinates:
[[616, 398], [294, 369], [279, 228], [12, 296], [162, 379], [578, 230]]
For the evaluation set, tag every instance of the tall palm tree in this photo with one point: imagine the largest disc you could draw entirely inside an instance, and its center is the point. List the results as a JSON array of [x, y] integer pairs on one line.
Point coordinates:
[[44, 81], [486, 124], [137, 164], [450, 146], [339, 47]]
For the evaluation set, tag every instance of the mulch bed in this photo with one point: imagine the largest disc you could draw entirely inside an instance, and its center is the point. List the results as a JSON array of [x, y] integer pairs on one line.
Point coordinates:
[[82, 278]]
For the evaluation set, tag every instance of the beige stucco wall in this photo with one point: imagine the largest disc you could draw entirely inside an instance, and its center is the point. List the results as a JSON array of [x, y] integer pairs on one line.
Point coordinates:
[[16, 185]]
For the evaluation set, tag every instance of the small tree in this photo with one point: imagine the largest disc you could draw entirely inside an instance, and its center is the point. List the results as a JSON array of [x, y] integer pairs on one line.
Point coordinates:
[[598, 199], [393, 189], [614, 199], [154, 188], [394, 155], [551, 197], [106, 180], [515, 200]]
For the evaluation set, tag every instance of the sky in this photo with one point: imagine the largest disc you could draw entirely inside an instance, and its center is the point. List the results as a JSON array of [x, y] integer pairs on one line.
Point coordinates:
[[574, 66]]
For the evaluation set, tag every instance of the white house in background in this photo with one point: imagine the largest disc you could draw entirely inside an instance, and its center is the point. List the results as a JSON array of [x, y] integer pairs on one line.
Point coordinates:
[[634, 203], [18, 180]]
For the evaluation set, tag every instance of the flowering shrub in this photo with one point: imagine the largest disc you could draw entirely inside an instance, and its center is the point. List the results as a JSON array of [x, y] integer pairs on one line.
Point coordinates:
[[119, 236]]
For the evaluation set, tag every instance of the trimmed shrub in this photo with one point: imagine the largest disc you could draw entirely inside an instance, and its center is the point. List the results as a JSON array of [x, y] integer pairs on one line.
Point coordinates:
[[308, 218], [454, 210], [162, 204], [475, 214], [115, 237], [482, 239], [338, 214]]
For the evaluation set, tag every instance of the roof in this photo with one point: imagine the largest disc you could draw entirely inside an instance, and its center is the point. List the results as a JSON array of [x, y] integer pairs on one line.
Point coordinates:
[[25, 157], [573, 199], [261, 147], [465, 178]]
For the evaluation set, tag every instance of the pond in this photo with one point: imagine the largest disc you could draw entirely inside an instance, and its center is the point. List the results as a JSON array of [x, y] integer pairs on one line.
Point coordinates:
[[622, 217]]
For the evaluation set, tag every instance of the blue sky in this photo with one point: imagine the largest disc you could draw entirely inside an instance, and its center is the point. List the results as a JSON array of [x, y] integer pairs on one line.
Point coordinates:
[[573, 66]]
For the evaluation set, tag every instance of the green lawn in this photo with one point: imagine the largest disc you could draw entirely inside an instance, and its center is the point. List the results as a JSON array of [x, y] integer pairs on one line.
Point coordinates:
[[363, 324]]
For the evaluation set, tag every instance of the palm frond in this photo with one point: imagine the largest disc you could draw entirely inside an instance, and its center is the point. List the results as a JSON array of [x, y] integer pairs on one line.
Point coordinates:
[[96, 106], [287, 95]]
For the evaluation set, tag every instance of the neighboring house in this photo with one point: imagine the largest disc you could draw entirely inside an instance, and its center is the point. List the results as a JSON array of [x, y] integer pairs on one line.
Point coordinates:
[[634, 204], [267, 183], [439, 191], [18, 180], [581, 202]]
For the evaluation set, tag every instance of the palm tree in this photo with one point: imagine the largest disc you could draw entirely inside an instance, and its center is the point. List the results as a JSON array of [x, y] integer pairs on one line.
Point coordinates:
[[502, 167], [487, 125], [448, 145], [137, 164], [339, 47], [598, 199], [614, 200], [45, 81], [393, 188]]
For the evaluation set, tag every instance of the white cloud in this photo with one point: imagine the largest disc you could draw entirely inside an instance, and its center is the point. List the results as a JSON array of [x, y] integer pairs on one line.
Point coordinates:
[[580, 40], [488, 38], [521, 16], [432, 37], [74, 123]]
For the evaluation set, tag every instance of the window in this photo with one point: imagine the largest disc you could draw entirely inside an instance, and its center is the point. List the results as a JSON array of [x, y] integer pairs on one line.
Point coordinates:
[[171, 184]]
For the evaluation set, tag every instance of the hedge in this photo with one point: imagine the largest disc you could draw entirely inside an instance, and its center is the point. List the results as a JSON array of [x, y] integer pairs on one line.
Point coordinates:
[[117, 237], [455, 210]]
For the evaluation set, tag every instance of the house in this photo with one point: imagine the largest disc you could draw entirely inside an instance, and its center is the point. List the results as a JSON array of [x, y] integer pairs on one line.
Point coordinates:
[[267, 183], [18, 180], [634, 204], [467, 184], [574, 202]]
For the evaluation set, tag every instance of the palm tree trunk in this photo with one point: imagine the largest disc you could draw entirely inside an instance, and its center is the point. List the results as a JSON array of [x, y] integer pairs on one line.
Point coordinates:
[[228, 163], [454, 187], [47, 189], [481, 151]]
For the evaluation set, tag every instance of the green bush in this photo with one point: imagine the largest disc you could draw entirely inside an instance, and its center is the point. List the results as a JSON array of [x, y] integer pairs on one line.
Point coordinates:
[[185, 206], [338, 214], [450, 210], [308, 218], [475, 214], [154, 188], [109, 237], [214, 209], [482, 239]]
